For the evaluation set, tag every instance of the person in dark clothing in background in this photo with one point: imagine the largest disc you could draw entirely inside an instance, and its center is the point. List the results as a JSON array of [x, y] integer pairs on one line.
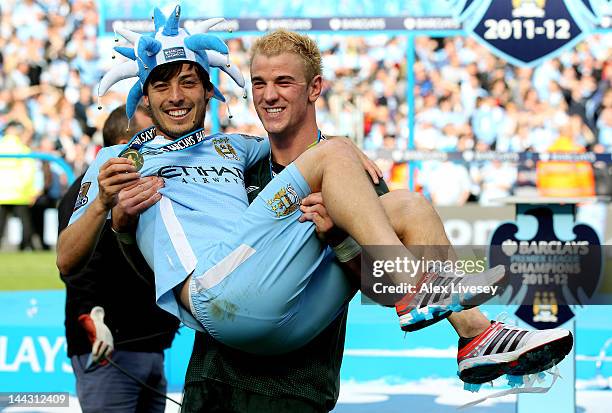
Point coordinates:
[[102, 319], [51, 193]]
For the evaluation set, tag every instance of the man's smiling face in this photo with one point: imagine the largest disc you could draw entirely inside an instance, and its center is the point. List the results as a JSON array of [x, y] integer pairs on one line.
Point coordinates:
[[178, 104], [280, 91]]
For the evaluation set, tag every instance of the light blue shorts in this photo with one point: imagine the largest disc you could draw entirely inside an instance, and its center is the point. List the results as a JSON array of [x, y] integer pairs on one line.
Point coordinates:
[[274, 286]]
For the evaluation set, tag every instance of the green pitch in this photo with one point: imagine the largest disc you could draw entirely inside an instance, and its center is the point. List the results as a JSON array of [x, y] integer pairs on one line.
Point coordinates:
[[37, 271], [29, 271]]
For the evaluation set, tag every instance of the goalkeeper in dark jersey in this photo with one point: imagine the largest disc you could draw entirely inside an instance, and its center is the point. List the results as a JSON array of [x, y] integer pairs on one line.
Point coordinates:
[[224, 379], [286, 82]]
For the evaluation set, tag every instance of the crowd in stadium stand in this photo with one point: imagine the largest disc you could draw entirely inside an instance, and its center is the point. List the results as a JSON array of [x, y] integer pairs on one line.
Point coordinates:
[[48, 69], [465, 99]]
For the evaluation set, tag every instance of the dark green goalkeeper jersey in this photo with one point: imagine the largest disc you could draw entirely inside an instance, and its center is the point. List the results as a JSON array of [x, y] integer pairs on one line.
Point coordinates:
[[311, 373]]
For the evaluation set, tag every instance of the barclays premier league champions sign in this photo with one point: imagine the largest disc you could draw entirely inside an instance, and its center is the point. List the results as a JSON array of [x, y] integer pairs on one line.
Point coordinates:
[[527, 32]]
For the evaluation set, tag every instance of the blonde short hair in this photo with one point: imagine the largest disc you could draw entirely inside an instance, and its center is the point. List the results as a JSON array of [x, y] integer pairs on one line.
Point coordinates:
[[284, 41]]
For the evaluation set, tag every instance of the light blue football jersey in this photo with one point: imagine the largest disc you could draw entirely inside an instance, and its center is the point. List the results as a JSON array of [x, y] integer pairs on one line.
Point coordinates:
[[203, 197]]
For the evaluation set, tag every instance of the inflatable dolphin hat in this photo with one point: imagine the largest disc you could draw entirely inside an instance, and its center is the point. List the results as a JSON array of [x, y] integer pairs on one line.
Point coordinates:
[[168, 44]]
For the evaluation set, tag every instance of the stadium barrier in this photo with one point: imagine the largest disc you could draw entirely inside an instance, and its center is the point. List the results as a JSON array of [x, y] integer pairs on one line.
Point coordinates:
[[44, 157]]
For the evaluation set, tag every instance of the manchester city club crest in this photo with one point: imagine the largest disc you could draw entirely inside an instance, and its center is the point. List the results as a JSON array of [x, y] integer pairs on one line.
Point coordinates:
[[527, 32], [285, 202], [225, 149]]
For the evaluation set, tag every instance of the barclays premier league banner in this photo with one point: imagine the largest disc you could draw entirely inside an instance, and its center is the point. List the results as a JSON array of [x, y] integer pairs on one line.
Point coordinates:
[[140, 9], [523, 32]]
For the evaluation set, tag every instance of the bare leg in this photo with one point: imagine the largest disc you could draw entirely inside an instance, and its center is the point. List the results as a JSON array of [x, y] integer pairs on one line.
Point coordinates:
[[334, 169], [417, 223]]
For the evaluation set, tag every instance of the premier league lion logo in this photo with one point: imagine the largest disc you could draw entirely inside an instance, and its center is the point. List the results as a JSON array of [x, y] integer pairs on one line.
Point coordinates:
[[546, 274]]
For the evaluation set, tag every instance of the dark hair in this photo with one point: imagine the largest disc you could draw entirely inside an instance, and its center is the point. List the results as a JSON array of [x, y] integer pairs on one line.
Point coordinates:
[[165, 72], [15, 124], [116, 126]]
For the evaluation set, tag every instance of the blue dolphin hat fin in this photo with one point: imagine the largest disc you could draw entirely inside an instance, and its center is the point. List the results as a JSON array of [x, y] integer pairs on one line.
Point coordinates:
[[158, 19], [218, 95], [132, 100], [203, 41], [126, 51], [172, 24]]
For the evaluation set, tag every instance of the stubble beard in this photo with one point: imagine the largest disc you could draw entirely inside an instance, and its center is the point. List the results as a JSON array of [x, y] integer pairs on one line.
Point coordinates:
[[176, 135]]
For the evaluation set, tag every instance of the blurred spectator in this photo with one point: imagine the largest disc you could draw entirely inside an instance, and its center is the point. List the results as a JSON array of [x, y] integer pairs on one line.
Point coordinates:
[[495, 180], [465, 98], [44, 201], [49, 69], [525, 185], [486, 120], [81, 107], [53, 185], [565, 179], [447, 184], [17, 187], [604, 121]]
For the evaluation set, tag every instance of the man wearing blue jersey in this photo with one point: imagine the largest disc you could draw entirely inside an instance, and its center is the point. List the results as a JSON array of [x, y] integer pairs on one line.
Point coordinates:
[[275, 310], [202, 241], [202, 226]]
